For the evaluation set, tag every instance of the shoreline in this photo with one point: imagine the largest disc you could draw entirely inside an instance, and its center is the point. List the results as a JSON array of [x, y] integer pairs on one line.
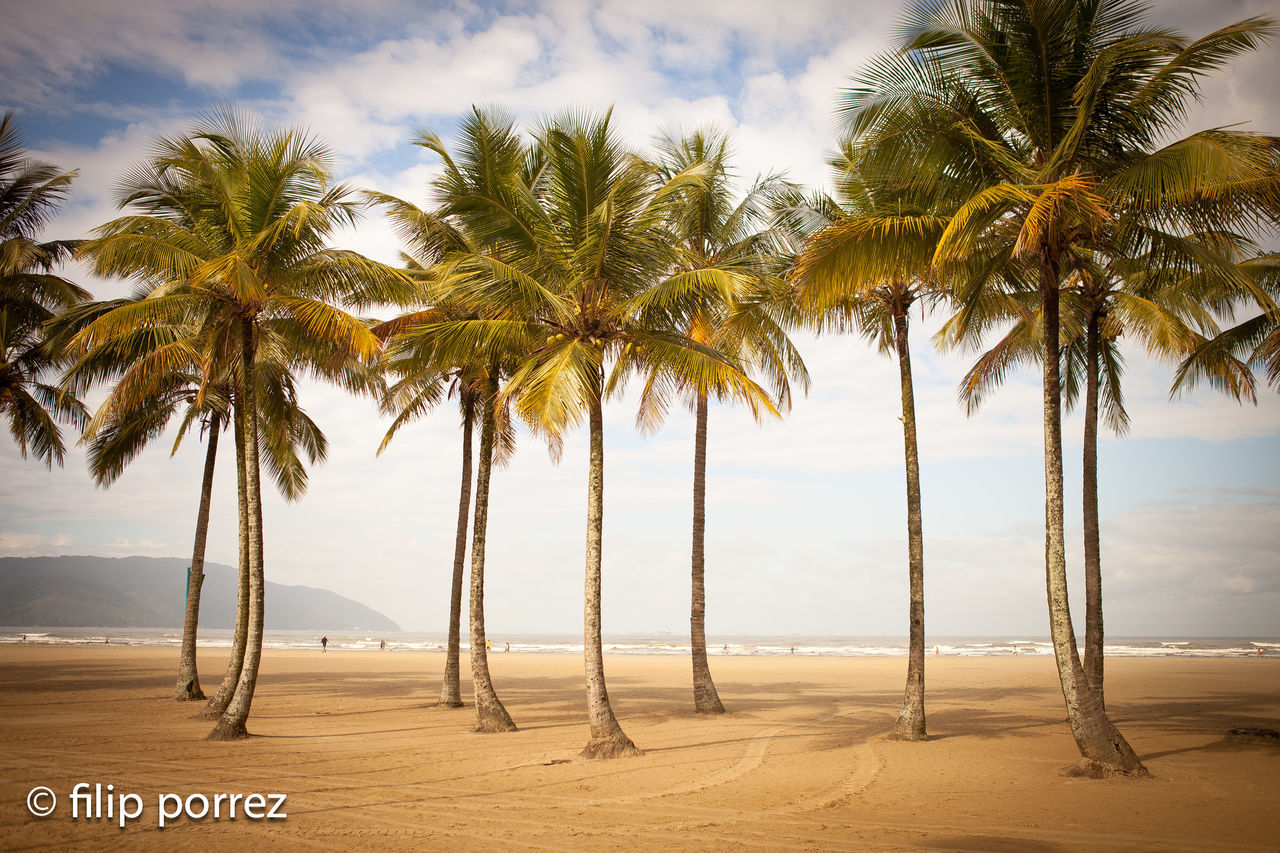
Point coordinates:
[[802, 759], [724, 645]]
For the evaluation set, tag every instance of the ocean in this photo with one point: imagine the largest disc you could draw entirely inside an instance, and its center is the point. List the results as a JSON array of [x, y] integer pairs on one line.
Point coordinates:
[[659, 644]]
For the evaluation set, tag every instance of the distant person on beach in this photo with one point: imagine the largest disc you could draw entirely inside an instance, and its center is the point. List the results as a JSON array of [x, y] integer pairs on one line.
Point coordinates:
[[324, 644], [508, 648], [793, 650], [726, 648], [1259, 651], [383, 647]]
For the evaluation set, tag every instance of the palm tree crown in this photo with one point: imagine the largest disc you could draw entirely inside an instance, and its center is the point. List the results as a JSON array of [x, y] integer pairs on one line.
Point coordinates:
[[30, 296], [231, 245]]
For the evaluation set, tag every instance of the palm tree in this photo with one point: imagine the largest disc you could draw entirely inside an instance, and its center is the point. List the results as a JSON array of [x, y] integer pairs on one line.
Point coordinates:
[[30, 296], [1045, 115], [579, 276], [159, 373], [490, 155], [713, 231], [117, 435], [414, 394], [1157, 292], [409, 355], [863, 270], [231, 238]]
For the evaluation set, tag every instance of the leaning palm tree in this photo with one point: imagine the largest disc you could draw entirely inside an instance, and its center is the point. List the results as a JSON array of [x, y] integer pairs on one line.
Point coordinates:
[[580, 277], [1046, 116], [158, 367], [863, 270], [231, 237], [31, 295], [491, 714], [714, 231]]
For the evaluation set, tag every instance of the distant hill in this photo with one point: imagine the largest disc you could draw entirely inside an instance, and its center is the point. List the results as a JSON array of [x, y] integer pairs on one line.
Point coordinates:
[[150, 592]]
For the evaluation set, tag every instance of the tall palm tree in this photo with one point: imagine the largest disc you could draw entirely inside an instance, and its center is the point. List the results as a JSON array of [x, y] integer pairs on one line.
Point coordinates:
[[411, 354], [579, 276], [159, 374], [713, 230], [1159, 291], [1046, 116], [863, 270], [414, 394], [231, 236], [118, 434], [31, 295], [489, 156]]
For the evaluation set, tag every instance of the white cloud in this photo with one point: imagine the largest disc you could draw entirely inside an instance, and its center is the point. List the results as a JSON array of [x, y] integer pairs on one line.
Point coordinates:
[[140, 546], [31, 544]]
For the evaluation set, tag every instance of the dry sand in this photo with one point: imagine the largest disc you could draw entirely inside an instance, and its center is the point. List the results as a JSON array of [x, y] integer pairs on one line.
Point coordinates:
[[800, 762]]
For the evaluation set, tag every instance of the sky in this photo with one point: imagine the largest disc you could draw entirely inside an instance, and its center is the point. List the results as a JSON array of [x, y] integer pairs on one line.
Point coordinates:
[[806, 522]]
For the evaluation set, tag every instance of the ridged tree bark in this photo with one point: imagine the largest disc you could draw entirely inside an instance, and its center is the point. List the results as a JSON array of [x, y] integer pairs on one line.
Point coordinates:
[[214, 707], [705, 698], [231, 725], [450, 688], [187, 688], [1093, 635], [911, 720], [1104, 749], [491, 715], [607, 738]]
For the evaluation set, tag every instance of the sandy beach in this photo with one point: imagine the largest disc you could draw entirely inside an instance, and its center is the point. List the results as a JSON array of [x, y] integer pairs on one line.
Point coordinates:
[[800, 762]]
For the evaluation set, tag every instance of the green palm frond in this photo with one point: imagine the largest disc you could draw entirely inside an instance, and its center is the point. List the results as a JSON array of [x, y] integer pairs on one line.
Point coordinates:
[[1041, 131], [1224, 360], [226, 224], [115, 444], [32, 298]]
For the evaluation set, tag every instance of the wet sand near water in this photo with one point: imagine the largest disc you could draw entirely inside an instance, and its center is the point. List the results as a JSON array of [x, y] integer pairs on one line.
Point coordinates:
[[802, 760]]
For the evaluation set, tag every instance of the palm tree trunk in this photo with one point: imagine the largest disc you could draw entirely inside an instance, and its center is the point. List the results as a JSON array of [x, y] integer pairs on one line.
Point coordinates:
[[450, 690], [231, 725], [188, 687], [705, 698], [1104, 749], [607, 738], [491, 715], [214, 707], [1092, 538], [910, 725]]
